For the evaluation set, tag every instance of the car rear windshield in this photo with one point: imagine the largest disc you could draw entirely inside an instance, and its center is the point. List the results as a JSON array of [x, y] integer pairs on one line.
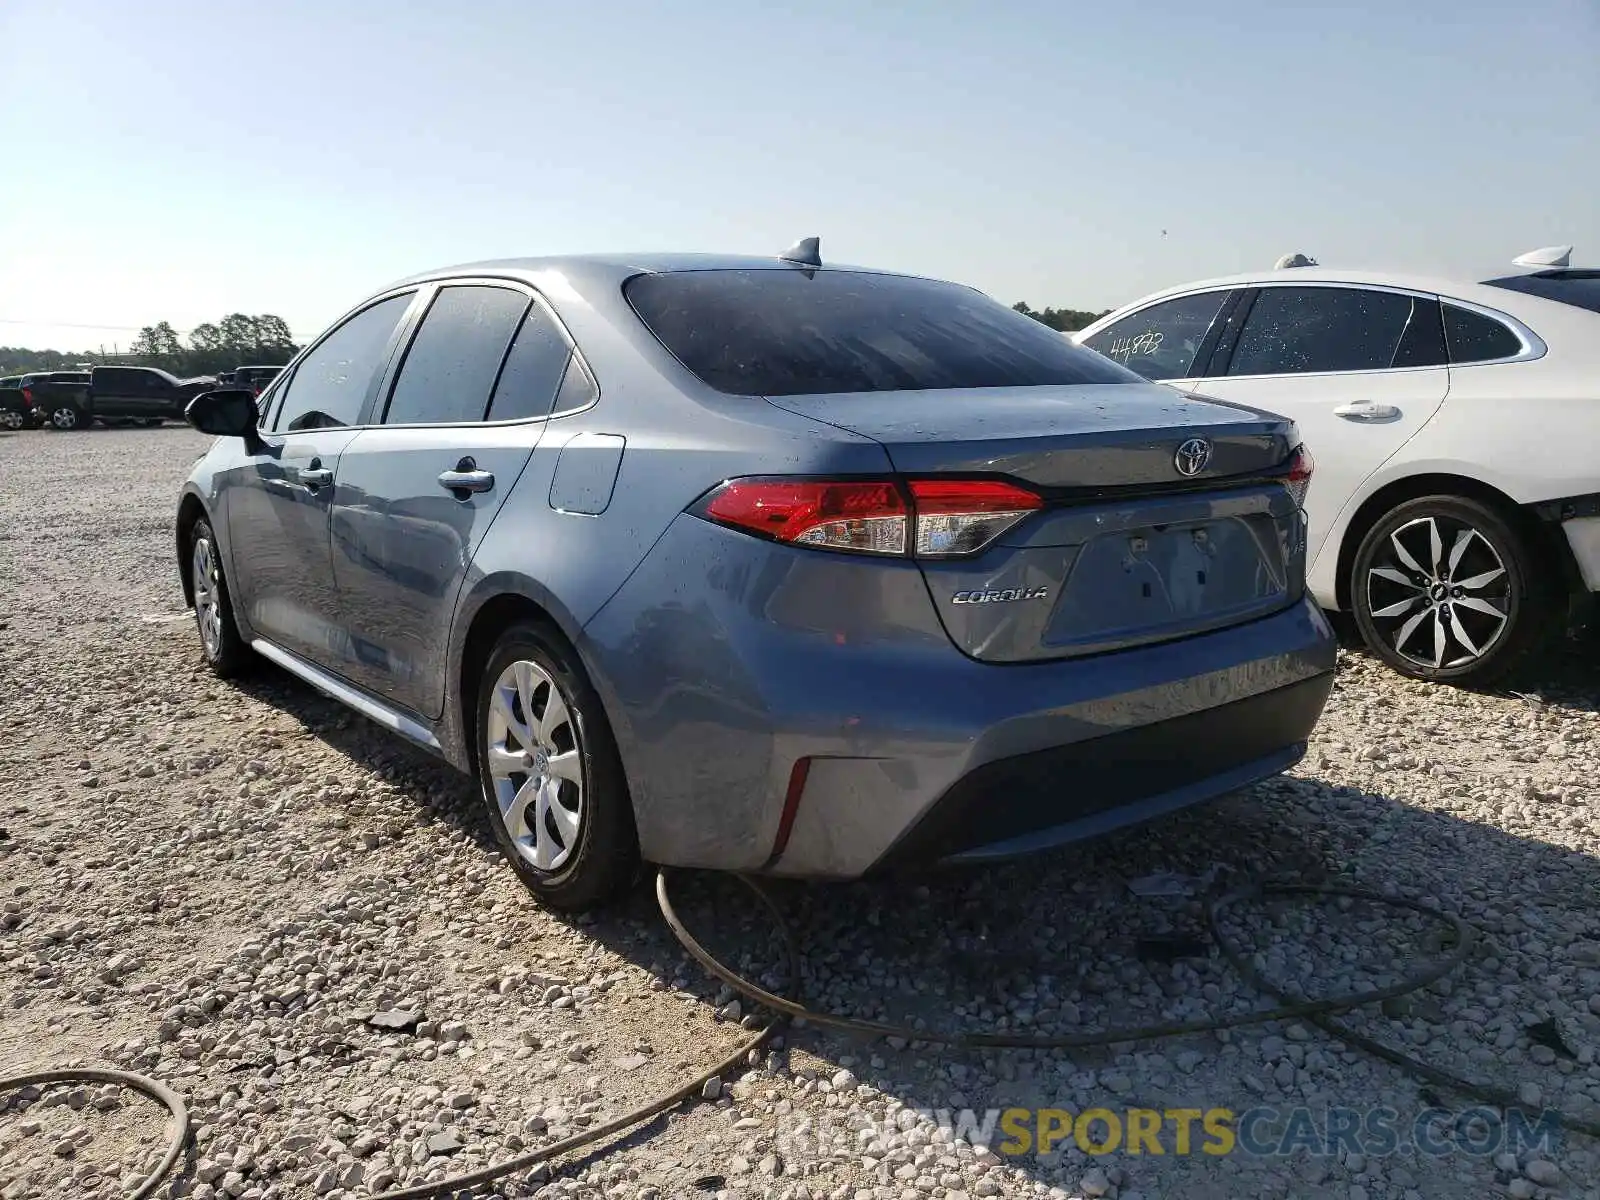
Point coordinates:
[[795, 332], [1578, 288]]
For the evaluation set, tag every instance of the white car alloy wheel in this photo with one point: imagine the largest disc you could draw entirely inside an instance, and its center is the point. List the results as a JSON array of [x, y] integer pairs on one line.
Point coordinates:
[[534, 759], [1440, 593], [1447, 588]]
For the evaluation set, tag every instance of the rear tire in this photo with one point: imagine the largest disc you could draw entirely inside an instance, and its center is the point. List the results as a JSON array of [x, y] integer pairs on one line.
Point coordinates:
[[10, 419], [69, 417], [1447, 589], [220, 641], [550, 775]]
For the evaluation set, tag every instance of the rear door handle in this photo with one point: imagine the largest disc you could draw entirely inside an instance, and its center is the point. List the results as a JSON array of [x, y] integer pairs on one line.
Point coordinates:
[[316, 477], [466, 478], [1366, 410]]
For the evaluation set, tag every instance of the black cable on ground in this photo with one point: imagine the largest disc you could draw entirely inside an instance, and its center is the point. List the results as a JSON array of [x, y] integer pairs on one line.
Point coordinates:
[[644, 1112], [1491, 1093], [1319, 1012], [159, 1092]]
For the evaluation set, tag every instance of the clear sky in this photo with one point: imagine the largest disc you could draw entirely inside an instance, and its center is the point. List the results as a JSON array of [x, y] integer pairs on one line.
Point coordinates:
[[181, 159]]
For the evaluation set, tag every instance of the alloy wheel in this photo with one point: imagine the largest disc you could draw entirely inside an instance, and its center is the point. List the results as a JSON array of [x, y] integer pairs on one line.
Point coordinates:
[[64, 418], [1438, 591], [536, 765], [10, 420], [207, 595]]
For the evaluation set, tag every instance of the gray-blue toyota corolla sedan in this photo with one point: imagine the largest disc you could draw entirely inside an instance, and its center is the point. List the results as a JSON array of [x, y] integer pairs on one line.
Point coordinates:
[[761, 564]]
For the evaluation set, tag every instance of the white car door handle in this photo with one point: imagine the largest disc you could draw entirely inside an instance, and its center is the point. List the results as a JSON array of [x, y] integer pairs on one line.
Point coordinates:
[[1366, 410]]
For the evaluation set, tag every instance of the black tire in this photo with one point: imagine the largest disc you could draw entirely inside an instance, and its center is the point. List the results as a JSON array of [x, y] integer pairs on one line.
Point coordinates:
[[1478, 647], [601, 860], [222, 646], [68, 417]]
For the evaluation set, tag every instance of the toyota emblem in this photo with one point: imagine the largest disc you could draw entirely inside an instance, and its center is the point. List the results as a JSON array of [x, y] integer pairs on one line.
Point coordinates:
[[1192, 456]]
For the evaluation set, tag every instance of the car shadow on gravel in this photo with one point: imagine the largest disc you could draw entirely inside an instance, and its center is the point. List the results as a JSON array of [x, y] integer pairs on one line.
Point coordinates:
[[1112, 934], [1565, 671]]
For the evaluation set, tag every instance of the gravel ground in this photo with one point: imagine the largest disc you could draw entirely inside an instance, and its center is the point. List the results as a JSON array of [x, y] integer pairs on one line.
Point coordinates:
[[220, 886]]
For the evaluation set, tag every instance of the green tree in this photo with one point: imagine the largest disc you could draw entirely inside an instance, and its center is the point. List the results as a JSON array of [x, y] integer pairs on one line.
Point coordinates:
[[157, 346], [205, 338], [273, 334], [1067, 320]]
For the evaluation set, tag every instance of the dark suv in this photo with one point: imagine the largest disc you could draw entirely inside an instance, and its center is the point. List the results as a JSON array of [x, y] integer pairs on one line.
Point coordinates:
[[16, 409]]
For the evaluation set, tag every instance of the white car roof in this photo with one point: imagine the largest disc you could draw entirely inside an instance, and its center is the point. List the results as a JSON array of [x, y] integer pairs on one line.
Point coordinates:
[[1517, 304]]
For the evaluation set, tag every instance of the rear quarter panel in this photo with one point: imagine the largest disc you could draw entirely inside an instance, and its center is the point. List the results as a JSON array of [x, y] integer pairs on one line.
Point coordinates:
[[679, 440]]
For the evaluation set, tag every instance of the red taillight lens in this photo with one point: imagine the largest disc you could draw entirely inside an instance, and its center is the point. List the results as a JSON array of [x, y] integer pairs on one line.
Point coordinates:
[[1298, 480], [960, 516], [27, 395], [944, 518], [868, 516]]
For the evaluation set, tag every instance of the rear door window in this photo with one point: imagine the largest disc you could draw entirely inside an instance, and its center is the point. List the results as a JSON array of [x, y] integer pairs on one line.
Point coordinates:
[[451, 365], [331, 383], [1475, 337], [1293, 330], [794, 332], [532, 373], [1162, 341]]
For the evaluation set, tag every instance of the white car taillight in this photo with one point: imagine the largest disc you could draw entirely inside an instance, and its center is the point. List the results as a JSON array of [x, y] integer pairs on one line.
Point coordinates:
[[1298, 480]]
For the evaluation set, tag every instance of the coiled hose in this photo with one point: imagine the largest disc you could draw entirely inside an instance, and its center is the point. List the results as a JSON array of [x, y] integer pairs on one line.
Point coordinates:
[[1319, 1012]]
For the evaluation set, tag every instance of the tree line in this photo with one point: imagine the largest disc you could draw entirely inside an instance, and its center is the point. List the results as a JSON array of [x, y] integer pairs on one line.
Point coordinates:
[[1067, 320], [237, 340]]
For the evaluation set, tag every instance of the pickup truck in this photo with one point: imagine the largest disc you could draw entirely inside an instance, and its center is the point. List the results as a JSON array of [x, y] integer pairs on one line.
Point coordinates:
[[148, 395]]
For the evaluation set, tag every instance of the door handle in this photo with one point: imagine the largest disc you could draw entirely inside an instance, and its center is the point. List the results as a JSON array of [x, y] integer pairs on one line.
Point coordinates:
[[466, 477], [316, 477], [1366, 410]]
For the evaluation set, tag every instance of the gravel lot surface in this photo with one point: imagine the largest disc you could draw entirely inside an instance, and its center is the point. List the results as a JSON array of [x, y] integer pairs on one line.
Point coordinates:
[[218, 885]]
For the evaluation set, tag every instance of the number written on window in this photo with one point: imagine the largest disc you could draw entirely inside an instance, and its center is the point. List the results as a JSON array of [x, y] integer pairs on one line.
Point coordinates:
[[1162, 341]]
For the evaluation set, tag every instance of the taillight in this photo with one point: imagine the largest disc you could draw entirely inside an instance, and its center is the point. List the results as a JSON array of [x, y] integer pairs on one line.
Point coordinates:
[[865, 516], [930, 518], [27, 395], [1298, 480], [962, 516]]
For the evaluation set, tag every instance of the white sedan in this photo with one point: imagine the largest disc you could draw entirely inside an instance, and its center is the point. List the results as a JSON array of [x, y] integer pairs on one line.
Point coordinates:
[[1455, 508]]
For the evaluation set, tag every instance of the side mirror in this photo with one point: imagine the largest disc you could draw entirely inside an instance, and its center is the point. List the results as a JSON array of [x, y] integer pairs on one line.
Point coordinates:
[[230, 412]]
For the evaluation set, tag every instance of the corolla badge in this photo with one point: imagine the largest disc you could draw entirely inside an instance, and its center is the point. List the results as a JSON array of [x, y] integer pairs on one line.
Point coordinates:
[[1192, 456], [999, 595]]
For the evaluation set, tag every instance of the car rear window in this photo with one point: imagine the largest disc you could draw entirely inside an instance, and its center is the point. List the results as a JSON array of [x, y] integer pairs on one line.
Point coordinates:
[[1578, 288], [796, 332]]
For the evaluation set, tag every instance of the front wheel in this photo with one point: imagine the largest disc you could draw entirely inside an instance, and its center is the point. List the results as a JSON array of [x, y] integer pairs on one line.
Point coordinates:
[[1446, 589], [220, 641], [550, 775], [66, 416]]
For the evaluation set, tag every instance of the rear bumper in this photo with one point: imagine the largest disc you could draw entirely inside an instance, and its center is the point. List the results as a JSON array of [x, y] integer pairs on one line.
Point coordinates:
[[1070, 750], [1583, 536], [1051, 797], [719, 680]]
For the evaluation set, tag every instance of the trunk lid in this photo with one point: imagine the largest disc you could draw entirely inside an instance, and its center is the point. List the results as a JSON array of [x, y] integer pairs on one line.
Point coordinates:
[[1129, 549], [1087, 437]]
